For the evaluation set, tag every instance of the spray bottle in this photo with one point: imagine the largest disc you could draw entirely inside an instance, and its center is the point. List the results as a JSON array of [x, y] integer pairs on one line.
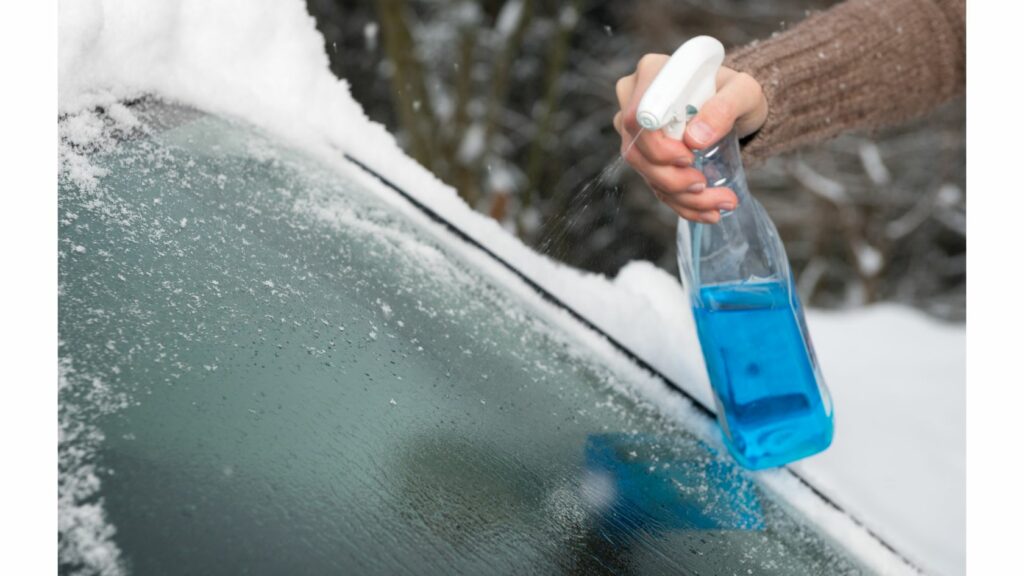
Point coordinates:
[[772, 402]]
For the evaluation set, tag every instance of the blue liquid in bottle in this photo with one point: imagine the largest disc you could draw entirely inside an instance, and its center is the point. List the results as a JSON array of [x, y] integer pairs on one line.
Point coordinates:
[[763, 372]]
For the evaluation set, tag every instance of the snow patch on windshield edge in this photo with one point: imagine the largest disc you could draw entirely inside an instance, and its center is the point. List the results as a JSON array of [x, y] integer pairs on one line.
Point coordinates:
[[264, 62], [89, 131], [84, 534]]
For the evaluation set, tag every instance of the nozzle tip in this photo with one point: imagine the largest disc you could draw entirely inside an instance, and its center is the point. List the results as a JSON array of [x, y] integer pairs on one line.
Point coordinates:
[[647, 120]]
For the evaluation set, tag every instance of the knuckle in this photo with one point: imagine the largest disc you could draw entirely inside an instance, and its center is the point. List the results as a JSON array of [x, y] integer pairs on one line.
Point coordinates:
[[688, 214], [721, 110], [629, 121], [701, 202], [670, 186], [651, 60], [654, 180], [658, 154], [749, 83]]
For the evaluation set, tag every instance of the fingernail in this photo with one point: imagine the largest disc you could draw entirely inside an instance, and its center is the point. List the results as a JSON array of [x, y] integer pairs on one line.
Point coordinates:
[[710, 217], [727, 206], [701, 132], [681, 162], [696, 187]]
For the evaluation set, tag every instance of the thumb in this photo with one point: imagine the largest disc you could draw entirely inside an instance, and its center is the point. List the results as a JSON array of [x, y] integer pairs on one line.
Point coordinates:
[[739, 98], [711, 124]]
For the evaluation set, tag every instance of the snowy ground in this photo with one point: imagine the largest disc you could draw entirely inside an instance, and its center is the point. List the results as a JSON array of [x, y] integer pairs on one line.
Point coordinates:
[[896, 376]]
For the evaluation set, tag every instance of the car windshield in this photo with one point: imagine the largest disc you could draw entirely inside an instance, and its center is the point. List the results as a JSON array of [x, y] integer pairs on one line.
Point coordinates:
[[267, 368]]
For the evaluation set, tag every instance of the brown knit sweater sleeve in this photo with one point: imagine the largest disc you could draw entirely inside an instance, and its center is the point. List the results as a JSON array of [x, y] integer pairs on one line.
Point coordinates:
[[862, 64]]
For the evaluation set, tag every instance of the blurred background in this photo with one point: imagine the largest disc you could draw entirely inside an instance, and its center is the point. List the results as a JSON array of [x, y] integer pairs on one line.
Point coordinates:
[[511, 101]]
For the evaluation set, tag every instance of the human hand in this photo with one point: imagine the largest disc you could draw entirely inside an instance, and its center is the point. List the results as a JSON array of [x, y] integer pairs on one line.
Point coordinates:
[[665, 163]]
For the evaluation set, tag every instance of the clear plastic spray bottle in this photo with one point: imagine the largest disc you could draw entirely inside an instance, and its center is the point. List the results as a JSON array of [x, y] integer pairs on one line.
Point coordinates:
[[772, 402]]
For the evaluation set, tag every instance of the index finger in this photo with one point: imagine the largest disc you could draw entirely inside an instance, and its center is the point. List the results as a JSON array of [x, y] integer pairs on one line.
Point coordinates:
[[624, 89], [646, 71]]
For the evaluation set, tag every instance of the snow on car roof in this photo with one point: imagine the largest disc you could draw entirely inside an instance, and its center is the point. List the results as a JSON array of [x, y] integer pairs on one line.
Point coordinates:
[[897, 377]]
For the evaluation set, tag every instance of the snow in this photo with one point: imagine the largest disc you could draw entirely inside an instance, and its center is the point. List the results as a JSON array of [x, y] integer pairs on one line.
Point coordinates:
[[871, 159], [568, 17], [949, 195], [897, 380], [370, 32], [472, 145], [821, 185], [897, 377], [869, 259], [500, 178], [85, 536], [509, 17]]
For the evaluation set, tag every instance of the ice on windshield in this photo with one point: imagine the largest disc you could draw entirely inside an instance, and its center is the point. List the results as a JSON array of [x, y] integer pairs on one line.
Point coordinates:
[[297, 376]]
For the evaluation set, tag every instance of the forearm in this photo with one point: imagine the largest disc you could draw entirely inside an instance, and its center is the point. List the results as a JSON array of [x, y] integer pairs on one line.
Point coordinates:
[[863, 64]]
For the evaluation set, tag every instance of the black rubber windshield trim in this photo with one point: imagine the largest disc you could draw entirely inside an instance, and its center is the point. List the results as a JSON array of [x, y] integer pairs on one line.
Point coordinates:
[[553, 299], [540, 290]]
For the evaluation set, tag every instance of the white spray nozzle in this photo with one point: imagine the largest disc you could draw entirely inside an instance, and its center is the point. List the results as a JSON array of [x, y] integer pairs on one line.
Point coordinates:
[[685, 82]]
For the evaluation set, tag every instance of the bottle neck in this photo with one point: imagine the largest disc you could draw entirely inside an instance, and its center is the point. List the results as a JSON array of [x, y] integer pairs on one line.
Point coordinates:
[[743, 246], [722, 166]]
